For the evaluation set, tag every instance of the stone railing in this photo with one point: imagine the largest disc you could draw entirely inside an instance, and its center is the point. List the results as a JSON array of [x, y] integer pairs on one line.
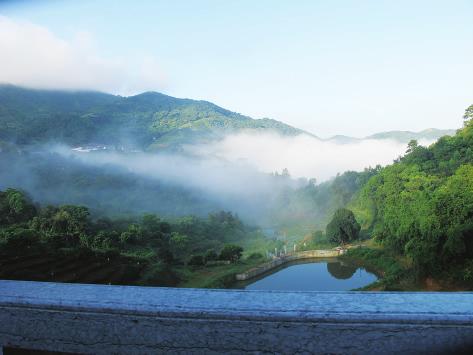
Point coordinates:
[[103, 319], [266, 267]]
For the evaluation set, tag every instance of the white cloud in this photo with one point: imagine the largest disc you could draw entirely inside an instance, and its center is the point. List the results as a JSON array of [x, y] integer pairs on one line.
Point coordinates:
[[302, 155], [228, 172], [32, 56]]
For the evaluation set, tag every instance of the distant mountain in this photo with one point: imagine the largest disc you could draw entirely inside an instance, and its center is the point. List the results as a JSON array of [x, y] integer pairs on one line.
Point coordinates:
[[147, 121], [340, 139], [430, 134], [406, 136]]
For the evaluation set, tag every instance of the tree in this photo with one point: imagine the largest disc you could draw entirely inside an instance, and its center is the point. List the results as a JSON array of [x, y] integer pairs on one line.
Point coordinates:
[[150, 223], [15, 207], [231, 253], [18, 239], [210, 255], [165, 255], [179, 244], [255, 256], [341, 271], [317, 237], [412, 146], [132, 235], [71, 220], [197, 260], [454, 210], [468, 114], [343, 227]]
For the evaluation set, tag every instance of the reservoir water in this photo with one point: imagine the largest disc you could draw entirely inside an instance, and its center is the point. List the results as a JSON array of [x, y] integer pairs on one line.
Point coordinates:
[[313, 275]]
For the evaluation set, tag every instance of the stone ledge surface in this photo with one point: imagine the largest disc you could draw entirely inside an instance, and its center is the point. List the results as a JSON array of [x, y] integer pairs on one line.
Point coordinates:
[[126, 319]]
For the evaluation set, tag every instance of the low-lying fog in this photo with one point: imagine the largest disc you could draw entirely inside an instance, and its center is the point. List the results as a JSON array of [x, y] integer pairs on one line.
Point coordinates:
[[302, 155], [231, 163], [238, 166], [233, 174]]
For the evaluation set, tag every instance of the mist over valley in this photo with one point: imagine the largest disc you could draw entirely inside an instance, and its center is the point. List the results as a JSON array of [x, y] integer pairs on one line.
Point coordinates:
[[174, 157], [205, 144]]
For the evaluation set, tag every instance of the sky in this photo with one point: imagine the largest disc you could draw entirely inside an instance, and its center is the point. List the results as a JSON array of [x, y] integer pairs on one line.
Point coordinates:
[[329, 67]]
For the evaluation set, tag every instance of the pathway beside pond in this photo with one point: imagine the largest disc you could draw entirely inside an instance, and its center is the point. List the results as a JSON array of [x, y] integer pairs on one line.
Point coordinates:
[[285, 258]]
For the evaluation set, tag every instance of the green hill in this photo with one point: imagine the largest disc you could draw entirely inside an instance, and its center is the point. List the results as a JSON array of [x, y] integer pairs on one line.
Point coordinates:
[[406, 136], [146, 121], [149, 121], [421, 207], [400, 136]]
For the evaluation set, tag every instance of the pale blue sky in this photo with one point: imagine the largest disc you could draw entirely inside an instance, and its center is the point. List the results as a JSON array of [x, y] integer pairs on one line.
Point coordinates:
[[330, 67]]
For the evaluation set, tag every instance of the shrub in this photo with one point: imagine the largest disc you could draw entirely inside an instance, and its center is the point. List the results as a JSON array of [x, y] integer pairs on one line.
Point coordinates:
[[343, 228], [210, 255], [255, 256], [231, 253], [196, 260]]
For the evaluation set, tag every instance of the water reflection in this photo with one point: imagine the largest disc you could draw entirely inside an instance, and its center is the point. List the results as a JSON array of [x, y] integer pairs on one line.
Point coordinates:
[[341, 270], [313, 275]]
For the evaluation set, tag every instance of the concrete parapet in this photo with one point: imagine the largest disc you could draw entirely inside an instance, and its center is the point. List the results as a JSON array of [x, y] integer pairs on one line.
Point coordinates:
[[101, 319]]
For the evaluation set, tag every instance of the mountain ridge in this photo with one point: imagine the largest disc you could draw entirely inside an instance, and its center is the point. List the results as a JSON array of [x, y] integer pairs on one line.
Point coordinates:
[[149, 120], [397, 135]]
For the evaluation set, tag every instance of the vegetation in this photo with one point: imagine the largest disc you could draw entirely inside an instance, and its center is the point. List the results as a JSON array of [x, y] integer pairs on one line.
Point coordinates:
[[393, 270], [343, 228], [231, 253], [106, 190], [312, 205], [421, 207], [316, 240], [65, 244], [147, 121], [419, 210], [297, 206], [405, 136]]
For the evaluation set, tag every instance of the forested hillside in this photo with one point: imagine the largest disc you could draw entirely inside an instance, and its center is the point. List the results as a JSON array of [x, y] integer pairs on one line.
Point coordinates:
[[409, 206], [422, 205], [66, 244], [109, 190], [406, 136], [426, 135], [147, 121]]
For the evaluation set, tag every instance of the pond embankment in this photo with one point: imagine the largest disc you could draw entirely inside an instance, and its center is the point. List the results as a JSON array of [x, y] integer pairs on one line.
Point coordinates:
[[309, 254]]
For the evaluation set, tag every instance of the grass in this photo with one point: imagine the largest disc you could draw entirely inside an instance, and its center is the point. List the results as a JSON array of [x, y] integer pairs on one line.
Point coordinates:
[[393, 270], [258, 244], [397, 273], [221, 276]]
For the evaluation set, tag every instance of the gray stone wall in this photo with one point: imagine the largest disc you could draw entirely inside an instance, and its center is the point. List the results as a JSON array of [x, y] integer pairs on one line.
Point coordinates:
[[309, 254], [104, 319]]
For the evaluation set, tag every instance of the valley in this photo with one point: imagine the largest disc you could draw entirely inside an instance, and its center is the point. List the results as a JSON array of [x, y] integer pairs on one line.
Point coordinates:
[[138, 190]]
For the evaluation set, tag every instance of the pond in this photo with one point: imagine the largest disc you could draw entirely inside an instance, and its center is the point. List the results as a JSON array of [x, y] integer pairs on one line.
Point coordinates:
[[313, 275]]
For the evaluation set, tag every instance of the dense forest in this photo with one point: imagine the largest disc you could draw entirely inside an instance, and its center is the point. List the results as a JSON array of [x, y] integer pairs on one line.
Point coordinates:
[[34, 122], [421, 207], [148, 121], [110, 190], [64, 243]]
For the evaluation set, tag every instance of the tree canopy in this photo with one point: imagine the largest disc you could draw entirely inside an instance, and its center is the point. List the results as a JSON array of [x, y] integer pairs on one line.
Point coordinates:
[[231, 253], [422, 205], [343, 228]]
